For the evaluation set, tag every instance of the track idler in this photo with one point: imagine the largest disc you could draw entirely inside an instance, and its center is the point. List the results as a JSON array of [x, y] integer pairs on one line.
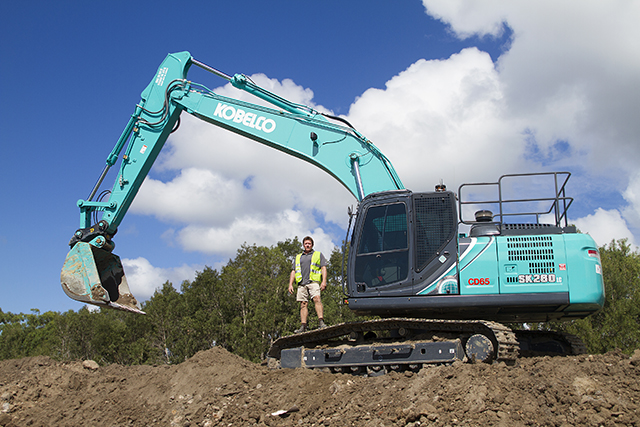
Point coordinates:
[[479, 348], [93, 274]]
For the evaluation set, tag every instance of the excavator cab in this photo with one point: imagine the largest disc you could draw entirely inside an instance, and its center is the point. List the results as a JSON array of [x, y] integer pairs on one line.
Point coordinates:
[[402, 239]]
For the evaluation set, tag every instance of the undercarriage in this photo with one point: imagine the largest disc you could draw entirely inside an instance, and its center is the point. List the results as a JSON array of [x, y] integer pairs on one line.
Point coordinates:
[[377, 346]]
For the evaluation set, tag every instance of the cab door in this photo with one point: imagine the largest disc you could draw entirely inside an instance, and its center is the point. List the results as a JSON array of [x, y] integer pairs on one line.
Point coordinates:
[[382, 251]]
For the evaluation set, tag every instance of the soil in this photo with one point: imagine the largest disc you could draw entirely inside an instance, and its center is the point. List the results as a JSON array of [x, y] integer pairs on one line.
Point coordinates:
[[217, 388]]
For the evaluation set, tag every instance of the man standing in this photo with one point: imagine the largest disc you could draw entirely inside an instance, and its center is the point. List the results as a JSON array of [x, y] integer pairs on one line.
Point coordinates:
[[310, 274]]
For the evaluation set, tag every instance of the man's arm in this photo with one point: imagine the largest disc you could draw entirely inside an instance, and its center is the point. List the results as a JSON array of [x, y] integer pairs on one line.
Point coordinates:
[[292, 277], [323, 285]]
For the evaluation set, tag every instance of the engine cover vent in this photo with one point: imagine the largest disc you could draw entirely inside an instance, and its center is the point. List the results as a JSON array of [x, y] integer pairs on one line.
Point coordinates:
[[528, 229], [536, 250]]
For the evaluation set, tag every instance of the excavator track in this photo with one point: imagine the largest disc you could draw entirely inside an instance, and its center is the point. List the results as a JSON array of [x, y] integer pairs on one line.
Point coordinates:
[[577, 346], [503, 345], [549, 343]]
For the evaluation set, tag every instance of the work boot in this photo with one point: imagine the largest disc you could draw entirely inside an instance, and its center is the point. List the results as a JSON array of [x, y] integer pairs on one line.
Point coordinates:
[[301, 329], [321, 324]]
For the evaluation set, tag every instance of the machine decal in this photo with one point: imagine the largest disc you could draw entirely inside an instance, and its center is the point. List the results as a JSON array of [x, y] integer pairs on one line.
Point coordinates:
[[479, 282], [491, 240], [251, 120], [539, 278], [444, 280], [162, 73], [439, 282], [448, 286], [468, 249], [562, 267]]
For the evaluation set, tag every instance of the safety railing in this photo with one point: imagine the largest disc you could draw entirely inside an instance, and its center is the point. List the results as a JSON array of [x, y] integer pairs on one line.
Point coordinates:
[[505, 205]]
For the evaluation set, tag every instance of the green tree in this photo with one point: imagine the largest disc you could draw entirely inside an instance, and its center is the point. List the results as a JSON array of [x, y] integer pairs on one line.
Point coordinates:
[[106, 336], [23, 335], [256, 283], [139, 344], [617, 325], [205, 310], [164, 309], [75, 330]]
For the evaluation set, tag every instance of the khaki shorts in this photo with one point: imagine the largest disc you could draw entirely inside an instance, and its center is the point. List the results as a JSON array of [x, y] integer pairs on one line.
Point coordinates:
[[308, 292]]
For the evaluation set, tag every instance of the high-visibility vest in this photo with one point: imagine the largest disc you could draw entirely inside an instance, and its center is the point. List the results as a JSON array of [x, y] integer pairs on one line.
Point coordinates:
[[315, 272]]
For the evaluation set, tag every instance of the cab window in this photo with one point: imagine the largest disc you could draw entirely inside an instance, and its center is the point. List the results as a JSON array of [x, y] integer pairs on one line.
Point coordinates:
[[383, 250]]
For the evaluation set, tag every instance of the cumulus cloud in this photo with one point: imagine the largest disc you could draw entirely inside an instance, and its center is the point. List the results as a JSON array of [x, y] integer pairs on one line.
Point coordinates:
[[194, 195], [442, 119], [144, 278], [569, 80], [604, 226], [258, 229], [562, 96]]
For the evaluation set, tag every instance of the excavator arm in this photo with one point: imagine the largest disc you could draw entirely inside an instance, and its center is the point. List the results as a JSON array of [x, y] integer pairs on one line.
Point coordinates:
[[93, 274]]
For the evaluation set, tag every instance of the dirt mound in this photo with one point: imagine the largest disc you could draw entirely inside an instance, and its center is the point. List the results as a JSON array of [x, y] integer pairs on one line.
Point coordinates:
[[217, 388]]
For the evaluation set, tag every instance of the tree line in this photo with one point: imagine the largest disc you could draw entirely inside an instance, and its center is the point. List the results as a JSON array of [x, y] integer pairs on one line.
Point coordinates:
[[245, 306]]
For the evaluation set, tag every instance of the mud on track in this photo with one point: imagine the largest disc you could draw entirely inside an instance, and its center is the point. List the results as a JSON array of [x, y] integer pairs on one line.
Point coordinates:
[[216, 388]]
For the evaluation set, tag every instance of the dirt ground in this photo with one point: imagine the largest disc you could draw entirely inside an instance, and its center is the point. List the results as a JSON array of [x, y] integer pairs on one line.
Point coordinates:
[[216, 388]]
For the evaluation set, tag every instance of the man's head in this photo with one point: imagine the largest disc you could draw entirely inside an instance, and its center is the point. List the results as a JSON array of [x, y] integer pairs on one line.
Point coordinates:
[[307, 242]]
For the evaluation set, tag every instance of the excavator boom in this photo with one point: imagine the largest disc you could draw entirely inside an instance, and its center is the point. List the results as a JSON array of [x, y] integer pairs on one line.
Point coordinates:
[[93, 274]]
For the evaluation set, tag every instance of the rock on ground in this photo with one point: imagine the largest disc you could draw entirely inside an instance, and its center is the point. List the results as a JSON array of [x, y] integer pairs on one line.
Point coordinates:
[[216, 388]]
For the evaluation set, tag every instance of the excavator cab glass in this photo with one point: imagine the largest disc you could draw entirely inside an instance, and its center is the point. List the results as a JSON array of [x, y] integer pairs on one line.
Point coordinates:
[[383, 252]]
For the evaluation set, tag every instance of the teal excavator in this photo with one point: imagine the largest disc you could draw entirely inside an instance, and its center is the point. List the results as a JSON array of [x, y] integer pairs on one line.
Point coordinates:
[[438, 281]]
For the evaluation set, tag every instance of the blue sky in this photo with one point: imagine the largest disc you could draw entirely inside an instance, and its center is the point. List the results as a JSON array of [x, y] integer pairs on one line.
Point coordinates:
[[448, 90]]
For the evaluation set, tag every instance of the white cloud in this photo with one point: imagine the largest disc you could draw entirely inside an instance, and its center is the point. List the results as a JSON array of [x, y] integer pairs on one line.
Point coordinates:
[[569, 75], [605, 226], [442, 119], [195, 195], [569, 69], [469, 18], [144, 278], [262, 230], [563, 96], [632, 195]]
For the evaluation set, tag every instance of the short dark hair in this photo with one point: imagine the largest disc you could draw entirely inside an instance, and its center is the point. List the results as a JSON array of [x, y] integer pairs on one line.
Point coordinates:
[[308, 238]]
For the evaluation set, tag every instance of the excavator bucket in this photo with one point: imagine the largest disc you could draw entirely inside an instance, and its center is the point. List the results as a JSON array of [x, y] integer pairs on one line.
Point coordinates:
[[95, 276]]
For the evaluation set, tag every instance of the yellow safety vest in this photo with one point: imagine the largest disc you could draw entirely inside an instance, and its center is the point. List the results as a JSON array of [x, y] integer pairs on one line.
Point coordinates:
[[315, 272]]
